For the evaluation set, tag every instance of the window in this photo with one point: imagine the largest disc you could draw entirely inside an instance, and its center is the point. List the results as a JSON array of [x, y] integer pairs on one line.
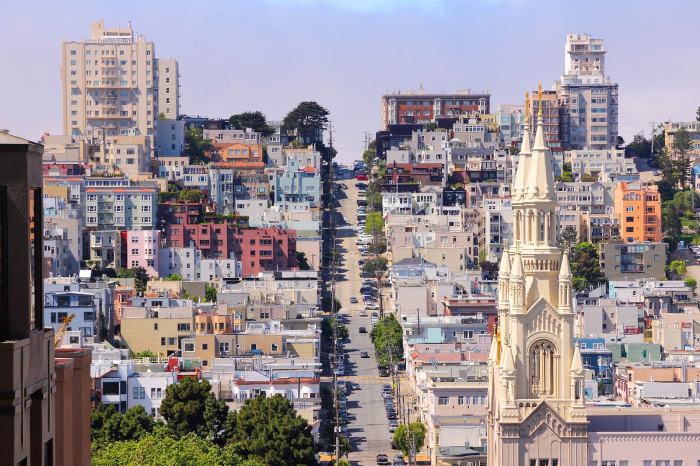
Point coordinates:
[[162, 341], [183, 327], [443, 400], [460, 400], [205, 346], [155, 326], [223, 347], [189, 347], [172, 341]]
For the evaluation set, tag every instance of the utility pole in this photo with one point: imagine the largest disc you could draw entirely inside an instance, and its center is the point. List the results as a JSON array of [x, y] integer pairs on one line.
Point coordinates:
[[368, 136], [653, 131]]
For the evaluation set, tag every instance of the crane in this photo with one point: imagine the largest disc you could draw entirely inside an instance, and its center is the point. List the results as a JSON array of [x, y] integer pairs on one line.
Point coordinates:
[[61, 330]]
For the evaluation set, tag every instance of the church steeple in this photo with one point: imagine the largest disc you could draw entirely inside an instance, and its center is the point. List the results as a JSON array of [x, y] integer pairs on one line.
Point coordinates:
[[565, 284], [518, 189], [540, 177]]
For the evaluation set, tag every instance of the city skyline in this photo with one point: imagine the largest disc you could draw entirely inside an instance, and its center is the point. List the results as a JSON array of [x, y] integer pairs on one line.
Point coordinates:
[[303, 67]]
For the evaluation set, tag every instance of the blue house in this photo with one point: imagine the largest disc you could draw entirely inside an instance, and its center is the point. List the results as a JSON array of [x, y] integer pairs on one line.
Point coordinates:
[[598, 359]]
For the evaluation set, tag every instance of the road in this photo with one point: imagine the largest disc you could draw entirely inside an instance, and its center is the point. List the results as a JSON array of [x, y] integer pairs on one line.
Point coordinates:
[[368, 426]]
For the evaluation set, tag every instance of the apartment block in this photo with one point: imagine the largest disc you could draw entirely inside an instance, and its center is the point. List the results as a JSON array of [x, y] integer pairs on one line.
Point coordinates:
[[156, 328], [419, 107], [109, 83], [27, 368], [142, 247], [105, 248], [693, 130], [510, 119], [629, 260], [639, 208], [588, 98], [122, 208], [295, 183], [168, 89], [265, 249], [551, 110], [170, 138]]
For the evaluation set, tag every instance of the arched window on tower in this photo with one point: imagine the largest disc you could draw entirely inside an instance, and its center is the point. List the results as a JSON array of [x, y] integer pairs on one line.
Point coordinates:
[[542, 369]]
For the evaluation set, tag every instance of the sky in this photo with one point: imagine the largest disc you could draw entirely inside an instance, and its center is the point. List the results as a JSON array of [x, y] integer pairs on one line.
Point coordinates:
[[269, 55]]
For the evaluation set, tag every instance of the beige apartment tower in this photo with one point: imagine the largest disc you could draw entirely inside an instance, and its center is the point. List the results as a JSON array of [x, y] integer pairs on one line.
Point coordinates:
[[168, 89], [109, 85]]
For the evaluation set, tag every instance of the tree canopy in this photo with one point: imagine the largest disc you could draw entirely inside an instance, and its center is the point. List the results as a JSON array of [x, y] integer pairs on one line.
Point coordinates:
[[270, 431], [196, 144], [585, 266], [109, 425], [410, 438], [387, 337], [139, 275], [189, 406], [303, 261], [374, 224], [307, 121], [375, 265], [254, 120]]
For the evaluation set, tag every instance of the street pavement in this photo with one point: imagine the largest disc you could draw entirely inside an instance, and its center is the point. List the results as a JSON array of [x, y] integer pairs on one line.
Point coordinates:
[[368, 425]]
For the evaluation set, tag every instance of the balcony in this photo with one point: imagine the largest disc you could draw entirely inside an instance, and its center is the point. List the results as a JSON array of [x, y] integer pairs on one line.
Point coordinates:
[[108, 85]]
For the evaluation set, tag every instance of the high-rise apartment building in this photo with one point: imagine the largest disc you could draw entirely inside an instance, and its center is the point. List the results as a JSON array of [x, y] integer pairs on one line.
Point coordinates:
[[418, 107], [550, 118], [639, 209], [588, 99], [109, 85], [168, 88]]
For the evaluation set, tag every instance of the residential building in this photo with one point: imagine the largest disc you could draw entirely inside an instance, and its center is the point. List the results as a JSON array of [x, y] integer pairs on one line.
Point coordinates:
[[510, 119], [418, 107], [588, 98], [27, 368], [142, 250], [168, 89], [154, 328], [185, 226], [109, 85], [627, 260], [602, 163], [228, 136], [551, 110], [106, 249], [119, 208], [639, 208], [693, 130], [58, 305], [296, 183], [63, 241], [170, 137], [495, 226], [411, 176], [265, 249]]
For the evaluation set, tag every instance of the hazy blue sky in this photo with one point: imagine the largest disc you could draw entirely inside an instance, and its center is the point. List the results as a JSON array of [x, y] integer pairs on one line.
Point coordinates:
[[269, 55]]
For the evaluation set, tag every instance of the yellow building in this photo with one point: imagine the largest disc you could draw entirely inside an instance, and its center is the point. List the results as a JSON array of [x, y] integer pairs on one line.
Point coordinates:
[[159, 330]]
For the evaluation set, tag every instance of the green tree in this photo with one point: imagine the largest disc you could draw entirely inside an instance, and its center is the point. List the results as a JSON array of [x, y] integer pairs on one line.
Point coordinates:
[[639, 147], [270, 431], [697, 114], [375, 265], [196, 145], [185, 408], [377, 248], [374, 224], [568, 236], [161, 448], [678, 267], [254, 120], [326, 304], [681, 147], [410, 438], [139, 275], [374, 201], [216, 420], [327, 328], [302, 261], [173, 277], [691, 283], [387, 337], [109, 425], [191, 195], [306, 121], [145, 354], [566, 174], [585, 266], [210, 292]]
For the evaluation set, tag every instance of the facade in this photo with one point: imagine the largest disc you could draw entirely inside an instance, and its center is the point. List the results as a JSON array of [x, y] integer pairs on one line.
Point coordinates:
[[587, 96], [105, 248], [551, 110], [510, 119], [296, 183], [629, 260], [59, 305], [639, 208], [27, 369], [168, 88], [536, 413], [417, 107], [119, 208], [155, 328], [693, 130], [142, 247], [170, 138], [109, 83], [265, 249]]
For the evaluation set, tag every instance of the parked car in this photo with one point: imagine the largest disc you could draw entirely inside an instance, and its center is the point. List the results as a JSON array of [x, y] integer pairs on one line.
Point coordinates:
[[364, 354], [361, 177], [363, 313], [382, 459], [363, 330], [353, 300], [399, 461]]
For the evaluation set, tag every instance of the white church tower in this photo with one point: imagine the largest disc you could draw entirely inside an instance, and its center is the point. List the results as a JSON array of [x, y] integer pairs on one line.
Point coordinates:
[[536, 414]]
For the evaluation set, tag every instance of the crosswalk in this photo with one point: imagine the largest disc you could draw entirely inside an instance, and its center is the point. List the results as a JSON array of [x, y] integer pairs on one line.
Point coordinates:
[[368, 379]]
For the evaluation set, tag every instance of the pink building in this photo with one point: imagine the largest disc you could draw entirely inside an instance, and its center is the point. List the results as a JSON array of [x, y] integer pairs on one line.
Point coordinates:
[[142, 250]]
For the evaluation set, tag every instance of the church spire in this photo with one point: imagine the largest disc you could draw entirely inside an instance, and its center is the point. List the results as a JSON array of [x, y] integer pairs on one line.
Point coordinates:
[[565, 284], [518, 190], [540, 177], [517, 284]]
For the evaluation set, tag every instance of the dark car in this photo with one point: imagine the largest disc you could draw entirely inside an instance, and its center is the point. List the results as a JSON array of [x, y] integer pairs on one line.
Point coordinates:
[[398, 460], [353, 300], [382, 459], [383, 373], [363, 330], [364, 354]]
